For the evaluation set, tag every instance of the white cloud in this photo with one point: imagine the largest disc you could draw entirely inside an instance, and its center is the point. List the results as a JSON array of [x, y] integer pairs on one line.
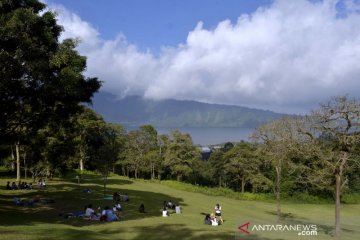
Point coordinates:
[[286, 57]]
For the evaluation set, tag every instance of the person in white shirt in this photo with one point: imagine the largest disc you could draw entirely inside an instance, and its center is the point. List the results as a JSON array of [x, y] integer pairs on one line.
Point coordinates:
[[89, 212], [177, 209], [214, 221], [218, 210], [117, 207], [165, 212]]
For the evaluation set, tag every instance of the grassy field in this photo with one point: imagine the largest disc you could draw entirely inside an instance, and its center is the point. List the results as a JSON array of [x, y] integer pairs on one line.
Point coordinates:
[[43, 221]]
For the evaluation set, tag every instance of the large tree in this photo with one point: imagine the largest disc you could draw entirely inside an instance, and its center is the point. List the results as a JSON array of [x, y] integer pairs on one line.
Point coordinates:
[[181, 155], [41, 79], [279, 142], [334, 134], [244, 164], [140, 150]]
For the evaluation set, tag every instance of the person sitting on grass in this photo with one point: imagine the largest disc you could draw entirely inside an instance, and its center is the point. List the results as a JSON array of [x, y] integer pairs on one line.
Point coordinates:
[[165, 212], [8, 187], [89, 212], [13, 186], [170, 205], [218, 210], [117, 207], [214, 221], [125, 197], [207, 219], [116, 197], [110, 215], [177, 209], [142, 208]]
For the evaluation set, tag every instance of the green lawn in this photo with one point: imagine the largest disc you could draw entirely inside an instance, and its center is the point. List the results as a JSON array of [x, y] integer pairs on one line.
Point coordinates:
[[42, 221]]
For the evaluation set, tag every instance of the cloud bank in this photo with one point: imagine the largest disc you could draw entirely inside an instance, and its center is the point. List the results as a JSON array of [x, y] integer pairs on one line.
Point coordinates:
[[287, 57]]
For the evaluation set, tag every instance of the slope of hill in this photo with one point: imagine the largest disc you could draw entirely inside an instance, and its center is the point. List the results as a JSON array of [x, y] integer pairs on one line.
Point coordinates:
[[135, 110]]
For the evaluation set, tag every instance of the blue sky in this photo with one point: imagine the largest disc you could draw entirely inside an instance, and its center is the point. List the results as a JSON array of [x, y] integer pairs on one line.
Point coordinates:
[[280, 55], [156, 23]]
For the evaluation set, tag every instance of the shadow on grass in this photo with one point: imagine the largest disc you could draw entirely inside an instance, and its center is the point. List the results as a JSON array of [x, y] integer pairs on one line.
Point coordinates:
[[69, 198], [290, 218], [181, 231], [178, 231], [91, 179]]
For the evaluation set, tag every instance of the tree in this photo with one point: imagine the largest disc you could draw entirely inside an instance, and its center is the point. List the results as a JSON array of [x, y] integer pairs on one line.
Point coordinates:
[[163, 143], [40, 79], [140, 147], [180, 155], [334, 133], [88, 127], [107, 152], [279, 139], [116, 141], [151, 141], [243, 163]]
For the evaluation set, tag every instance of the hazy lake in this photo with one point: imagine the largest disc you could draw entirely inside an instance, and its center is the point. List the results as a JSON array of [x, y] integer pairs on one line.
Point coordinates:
[[207, 136]]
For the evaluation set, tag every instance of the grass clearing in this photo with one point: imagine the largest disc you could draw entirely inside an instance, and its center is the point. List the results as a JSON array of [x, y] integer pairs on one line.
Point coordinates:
[[42, 221]]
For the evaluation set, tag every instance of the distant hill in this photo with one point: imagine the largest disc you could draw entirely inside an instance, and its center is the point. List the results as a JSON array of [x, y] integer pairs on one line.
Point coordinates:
[[135, 111]]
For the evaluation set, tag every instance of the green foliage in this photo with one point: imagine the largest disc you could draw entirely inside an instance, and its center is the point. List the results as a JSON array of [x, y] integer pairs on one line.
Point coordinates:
[[181, 155], [41, 78], [351, 198], [225, 192]]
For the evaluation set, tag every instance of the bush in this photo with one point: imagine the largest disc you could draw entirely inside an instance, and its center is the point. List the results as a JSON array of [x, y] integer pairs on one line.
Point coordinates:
[[353, 198], [226, 192], [301, 197]]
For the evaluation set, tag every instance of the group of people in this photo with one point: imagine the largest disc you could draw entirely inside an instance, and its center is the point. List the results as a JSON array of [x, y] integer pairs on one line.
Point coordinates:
[[107, 214], [113, 214], [214, 219], [20, 186], [170, 206], [25, 185]]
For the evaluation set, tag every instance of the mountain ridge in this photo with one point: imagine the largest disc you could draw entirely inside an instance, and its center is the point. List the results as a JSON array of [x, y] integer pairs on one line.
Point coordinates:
[[135, 111]]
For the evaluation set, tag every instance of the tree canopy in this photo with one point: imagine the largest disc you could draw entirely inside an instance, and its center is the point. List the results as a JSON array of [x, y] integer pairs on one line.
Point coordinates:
[[40, 78]]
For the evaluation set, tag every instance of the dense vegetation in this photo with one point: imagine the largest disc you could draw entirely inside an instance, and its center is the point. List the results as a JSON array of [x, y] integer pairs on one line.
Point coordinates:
[[47, 130]]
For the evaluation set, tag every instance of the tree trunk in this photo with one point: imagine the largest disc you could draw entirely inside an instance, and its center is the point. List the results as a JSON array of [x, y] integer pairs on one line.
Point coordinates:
[[12, 159], [82, 159], [152, 171], [18, 173], [242, 184], [81, 165], [278, 192], [25, 168], [136, 174], [337, 204], [179, 177]]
